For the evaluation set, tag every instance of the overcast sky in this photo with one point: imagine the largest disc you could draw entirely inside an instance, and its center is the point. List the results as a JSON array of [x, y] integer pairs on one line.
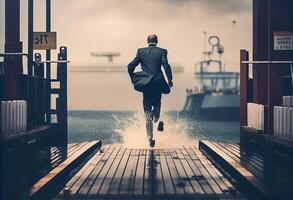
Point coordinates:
[[123, 25]]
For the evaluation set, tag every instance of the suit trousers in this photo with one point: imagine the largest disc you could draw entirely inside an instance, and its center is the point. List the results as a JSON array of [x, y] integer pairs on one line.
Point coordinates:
[[152, 106]]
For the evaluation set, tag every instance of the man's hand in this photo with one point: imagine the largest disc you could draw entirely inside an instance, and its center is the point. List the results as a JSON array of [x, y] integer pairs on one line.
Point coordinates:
[[170, 83]]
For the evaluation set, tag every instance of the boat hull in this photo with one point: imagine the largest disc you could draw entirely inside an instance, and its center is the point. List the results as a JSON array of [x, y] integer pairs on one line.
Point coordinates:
[[203, 106]]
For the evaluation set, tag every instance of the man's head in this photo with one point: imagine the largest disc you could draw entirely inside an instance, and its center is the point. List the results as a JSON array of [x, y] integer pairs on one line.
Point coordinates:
[[152, 39]]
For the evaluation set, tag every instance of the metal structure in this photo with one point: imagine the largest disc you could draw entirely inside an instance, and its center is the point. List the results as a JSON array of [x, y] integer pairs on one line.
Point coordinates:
[[271, 80], [36, 86]]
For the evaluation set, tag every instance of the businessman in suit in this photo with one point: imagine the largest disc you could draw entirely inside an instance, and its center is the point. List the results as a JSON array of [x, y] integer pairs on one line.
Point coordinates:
[[151, 59]]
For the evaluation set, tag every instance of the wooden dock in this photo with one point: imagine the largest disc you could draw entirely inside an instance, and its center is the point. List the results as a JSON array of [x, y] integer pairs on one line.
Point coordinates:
[[179, 173], [258, 173], [62, 165]]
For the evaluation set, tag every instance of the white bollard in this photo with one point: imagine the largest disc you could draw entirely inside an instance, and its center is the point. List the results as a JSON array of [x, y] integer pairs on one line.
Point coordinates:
[[24, 115], [257, 117], [252, 115], [278, 120], [10, 117], [7, 123], [275, 120], [248, 114], [14, 108], [18, 111], [3, 118], [286, 122], [281, 110], [291, 123], [262, 117], [20, 115]]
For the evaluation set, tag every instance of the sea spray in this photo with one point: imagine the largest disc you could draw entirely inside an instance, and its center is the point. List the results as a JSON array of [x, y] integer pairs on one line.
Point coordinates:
[[174, 135]]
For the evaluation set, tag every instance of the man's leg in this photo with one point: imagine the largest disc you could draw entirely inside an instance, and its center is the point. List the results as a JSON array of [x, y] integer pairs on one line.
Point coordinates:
[[147, 106], [157, 106]]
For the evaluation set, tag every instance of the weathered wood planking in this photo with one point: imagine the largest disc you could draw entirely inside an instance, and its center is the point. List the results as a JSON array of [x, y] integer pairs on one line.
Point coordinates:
[[231, 161], [75, 157], [121, 172]]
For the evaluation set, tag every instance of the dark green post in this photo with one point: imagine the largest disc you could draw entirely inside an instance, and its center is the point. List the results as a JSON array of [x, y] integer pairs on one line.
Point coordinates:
[[61, 102], [48, 65]]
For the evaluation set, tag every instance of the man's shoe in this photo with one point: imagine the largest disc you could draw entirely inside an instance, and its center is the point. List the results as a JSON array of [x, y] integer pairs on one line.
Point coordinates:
[[161, 126], [156, 120], [152, 143]]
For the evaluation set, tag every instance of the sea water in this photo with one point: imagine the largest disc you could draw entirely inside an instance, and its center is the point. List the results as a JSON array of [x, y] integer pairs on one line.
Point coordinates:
[[128, 128]]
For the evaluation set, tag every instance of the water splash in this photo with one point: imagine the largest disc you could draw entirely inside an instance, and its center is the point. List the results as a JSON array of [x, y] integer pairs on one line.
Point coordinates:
[[174, 135]]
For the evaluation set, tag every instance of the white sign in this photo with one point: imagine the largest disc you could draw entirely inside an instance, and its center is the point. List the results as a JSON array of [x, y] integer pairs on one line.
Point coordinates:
[[44, 40], [283, 40]]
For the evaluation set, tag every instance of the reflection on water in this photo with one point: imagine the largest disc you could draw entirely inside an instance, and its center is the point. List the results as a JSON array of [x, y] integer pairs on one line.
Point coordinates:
[[129, 128]]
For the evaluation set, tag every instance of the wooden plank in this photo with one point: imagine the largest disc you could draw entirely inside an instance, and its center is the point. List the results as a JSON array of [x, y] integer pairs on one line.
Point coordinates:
[[129, 174], [153, 177], [77, 180], [209, 168], [238, 169], [197, 173], [244, 160], [190, 175], [139, 177], [64, 168], [115, 184], [167, 180], [160, 189], [76, 148], [249, 161], [184, 180], [86, 186], [104, 171], [205, 173], [109, 177], [174, 174]]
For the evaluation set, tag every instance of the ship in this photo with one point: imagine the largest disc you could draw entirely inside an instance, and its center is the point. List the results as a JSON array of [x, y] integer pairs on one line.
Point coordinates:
[[215, 96]]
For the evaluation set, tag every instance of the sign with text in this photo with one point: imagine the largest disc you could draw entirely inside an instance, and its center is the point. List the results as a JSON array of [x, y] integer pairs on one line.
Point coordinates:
[[44, 40], [283, 40]]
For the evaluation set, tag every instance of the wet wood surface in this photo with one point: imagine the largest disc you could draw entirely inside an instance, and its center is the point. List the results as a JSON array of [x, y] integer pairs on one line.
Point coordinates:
[[119, 172], [61, 165]]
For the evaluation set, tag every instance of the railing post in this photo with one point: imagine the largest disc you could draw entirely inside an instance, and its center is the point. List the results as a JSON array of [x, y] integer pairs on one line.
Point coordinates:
[[244, 69], [61, 104], [41, 89]]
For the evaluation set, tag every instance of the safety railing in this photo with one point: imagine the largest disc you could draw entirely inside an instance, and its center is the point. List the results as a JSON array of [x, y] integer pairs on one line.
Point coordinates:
[[272, 117], [36, 90]]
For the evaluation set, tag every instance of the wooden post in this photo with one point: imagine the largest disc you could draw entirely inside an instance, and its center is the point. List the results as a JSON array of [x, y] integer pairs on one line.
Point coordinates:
[[244, 68], [13, 64]]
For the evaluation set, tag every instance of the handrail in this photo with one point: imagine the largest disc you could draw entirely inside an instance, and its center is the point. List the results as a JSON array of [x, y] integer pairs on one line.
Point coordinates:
[[268, 62], [52, 61], [13, 54]]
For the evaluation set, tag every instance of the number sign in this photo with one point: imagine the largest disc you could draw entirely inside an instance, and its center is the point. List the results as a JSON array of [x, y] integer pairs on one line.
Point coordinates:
[[44, 40]]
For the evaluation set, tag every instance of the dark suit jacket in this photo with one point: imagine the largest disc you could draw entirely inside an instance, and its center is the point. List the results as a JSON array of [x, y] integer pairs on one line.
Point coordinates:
[[152, 58]]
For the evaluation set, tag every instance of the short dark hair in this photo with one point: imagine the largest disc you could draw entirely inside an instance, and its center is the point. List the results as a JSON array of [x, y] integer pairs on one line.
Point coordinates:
[[152, 38]]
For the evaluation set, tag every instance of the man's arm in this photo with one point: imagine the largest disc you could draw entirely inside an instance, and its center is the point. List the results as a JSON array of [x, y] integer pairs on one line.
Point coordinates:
[[131, 66], [167, 67]]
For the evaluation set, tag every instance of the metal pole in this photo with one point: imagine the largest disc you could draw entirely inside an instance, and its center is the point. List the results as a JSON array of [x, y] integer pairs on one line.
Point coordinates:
[[48, 57], [30, 36]]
